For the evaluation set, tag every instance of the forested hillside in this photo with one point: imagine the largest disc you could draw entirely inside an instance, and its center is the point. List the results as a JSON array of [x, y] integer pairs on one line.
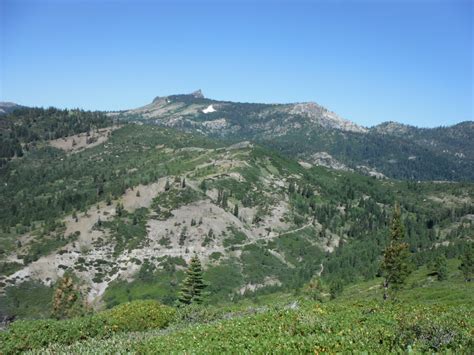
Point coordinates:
[[126, 215], [21, 129], [307, 130]]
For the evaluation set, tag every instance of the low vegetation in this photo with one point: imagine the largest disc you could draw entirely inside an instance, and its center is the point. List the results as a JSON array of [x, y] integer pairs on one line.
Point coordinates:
[[136, 316], [426, 316]]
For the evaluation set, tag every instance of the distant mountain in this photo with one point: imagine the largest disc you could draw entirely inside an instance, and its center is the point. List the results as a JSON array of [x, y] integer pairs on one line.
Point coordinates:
[[7, 107], [308, 131], [225, 118]]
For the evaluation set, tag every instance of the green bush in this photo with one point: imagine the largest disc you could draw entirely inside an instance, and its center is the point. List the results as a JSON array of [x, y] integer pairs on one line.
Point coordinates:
[[367, 327], [134, 316], [27, 335], [196, 313], [139, 315]]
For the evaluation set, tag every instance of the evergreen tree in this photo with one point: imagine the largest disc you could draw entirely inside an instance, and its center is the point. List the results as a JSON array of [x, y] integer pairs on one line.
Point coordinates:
[[183, 183], [210, 234], [224, 199], [315, 289], [467, 263], [396, 258], [335, 289], [67, 300], [236, 210], [182, 236], [167, 185], [441, 267], [291, 188], [193, 284]]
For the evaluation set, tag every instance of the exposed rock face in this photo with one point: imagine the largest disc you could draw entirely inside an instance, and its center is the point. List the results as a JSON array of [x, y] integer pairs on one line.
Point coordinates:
[[198, 94], [7, 107], [370, 171], [391, 128], [326, 160], [321, 116], [218, 124]]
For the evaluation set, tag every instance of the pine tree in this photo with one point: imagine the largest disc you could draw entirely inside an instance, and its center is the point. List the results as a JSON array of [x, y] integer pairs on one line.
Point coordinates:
[[236, 210], [335, 288], [396, 258], [183, 183], [224, 199], [315, 289], [193, 284], [67, 300], [182, 236], [167, 185], [210, 234], [441, 267], [291, 188], [467, 263]]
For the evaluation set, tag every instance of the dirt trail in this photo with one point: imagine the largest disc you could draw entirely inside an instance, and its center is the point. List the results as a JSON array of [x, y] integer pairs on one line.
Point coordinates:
[[322, 269], [273, 236]]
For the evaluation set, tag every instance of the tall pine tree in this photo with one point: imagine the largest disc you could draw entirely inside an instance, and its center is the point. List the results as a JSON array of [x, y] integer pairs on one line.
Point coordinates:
[[193, 284], [396, 257], [467, 263]]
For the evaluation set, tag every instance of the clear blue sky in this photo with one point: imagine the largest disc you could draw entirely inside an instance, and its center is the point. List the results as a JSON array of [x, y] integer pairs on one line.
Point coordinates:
[[369, 61]]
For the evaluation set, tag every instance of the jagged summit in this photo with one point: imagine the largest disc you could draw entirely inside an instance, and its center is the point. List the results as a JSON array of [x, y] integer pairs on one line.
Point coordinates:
[[198, 94], [195, 94]]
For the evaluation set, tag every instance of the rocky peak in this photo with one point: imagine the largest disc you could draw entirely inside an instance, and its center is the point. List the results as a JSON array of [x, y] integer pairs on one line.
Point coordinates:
[[322, 116], [391, 127], [195, 94], [198, 94]]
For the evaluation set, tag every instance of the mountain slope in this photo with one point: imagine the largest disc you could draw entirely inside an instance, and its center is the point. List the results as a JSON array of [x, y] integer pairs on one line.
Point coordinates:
[[8, 107], [308, 130], [126, 215]]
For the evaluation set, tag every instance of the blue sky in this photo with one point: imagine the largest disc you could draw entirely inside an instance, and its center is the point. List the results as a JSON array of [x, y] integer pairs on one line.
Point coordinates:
[[369, 61]]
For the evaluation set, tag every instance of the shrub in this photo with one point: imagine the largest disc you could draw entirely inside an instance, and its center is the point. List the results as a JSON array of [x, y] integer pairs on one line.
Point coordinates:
[[27, 335], [139, 315], [314, 328], [36, 334]]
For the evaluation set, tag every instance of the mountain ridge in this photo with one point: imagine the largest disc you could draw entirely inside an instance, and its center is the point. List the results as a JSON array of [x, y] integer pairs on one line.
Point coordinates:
[[301, 130], [304, 131]]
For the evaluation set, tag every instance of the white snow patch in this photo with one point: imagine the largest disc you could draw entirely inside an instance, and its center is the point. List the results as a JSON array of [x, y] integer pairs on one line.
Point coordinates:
[[209, 109]]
